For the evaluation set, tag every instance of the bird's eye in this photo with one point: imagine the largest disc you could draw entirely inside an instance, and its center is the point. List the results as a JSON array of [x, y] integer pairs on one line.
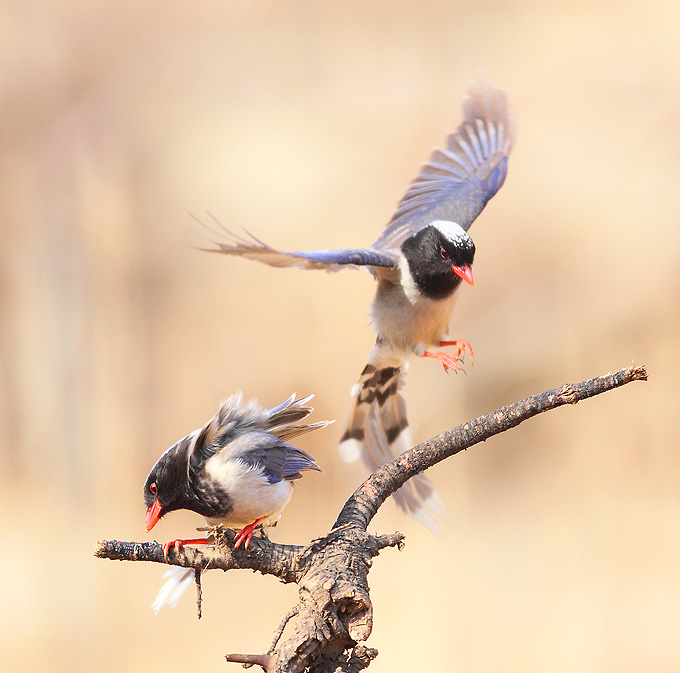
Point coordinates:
[[153, 488], [443, 253]]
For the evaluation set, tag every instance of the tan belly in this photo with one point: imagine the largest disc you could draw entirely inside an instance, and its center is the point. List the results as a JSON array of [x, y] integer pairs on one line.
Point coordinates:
[[409, 323]]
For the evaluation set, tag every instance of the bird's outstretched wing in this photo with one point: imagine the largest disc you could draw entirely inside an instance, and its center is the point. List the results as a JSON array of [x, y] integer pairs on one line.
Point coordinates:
[[457, 182], [328, 260]]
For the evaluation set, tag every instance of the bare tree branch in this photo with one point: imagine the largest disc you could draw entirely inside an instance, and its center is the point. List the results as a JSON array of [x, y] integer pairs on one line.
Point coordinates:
[[335, 613], [282, 626], [264, 556], [365, 501], [267, 661]]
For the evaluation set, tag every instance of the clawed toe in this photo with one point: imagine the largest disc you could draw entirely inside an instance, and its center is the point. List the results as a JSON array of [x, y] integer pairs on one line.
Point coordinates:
[[452, 361], [244, 536], [449, 361], [178, 544], [462, 347]]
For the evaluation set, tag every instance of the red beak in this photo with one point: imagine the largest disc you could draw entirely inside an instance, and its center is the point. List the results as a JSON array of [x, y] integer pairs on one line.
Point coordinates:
[[464, 272], [153, 514]]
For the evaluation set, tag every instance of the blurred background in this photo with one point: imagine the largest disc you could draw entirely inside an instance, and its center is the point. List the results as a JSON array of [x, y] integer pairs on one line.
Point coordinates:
[[304, 122]]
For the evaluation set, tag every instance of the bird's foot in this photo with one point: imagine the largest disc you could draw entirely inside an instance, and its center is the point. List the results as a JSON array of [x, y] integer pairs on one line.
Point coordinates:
[[449, 361], [178, 544], [452, 361], [245, 534], [462, 347]]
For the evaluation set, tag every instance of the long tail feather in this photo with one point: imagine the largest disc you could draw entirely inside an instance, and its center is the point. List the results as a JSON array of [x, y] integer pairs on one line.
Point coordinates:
[[378, 431]]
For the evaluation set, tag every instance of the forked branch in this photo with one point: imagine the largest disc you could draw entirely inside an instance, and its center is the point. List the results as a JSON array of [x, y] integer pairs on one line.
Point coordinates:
[[335, 613]]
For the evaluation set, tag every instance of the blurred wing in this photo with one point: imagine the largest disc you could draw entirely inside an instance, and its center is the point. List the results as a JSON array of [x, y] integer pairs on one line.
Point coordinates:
[[457, 182], [329, 260]]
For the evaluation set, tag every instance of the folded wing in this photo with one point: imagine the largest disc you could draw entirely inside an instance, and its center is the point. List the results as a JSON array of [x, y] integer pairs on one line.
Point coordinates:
[[278, 460]]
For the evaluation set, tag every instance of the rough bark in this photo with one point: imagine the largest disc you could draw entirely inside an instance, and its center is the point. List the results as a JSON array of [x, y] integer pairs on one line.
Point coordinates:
[[334, 613]]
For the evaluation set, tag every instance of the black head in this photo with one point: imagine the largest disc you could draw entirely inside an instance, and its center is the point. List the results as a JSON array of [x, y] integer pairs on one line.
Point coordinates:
[[167, 487], [439, 257], [177, 480]]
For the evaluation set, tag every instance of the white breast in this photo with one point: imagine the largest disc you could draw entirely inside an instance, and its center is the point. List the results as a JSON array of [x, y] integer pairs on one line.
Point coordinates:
[[252, 495]]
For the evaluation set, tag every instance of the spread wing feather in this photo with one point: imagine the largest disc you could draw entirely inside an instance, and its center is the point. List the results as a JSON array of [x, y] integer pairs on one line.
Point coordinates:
[[327, 260], [458, 181]]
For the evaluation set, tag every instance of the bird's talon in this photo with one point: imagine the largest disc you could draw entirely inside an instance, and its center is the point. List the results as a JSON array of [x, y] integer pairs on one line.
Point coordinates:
[[244, 535], [449, 361], [462, 347], [174, 544], [177, 545]]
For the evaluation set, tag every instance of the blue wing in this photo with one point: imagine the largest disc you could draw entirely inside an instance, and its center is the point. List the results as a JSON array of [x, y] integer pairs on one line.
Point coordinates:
[[329, 260], [457, 182], [277, 459]]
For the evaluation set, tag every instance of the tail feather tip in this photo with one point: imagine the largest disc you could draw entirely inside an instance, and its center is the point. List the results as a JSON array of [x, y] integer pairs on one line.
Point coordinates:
[[350, 450], [424, 517], [170, 593]]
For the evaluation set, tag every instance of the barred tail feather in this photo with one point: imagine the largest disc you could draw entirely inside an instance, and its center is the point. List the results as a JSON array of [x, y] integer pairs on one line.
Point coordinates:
[[378, 431]]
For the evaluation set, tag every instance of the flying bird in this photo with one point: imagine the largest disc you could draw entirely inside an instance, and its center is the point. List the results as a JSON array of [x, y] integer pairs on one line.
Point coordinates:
[[420, 260], [237, 470]]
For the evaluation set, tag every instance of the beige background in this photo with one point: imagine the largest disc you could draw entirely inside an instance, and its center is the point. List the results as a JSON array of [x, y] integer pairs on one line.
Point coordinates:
[[304, 122]]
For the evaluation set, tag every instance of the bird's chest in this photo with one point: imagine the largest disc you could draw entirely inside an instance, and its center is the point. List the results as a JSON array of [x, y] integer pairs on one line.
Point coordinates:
[[248, 493], [405, 319]]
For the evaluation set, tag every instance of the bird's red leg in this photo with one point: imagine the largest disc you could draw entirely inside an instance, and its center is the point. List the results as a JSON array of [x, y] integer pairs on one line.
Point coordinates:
[[178, 544], [246, 533]]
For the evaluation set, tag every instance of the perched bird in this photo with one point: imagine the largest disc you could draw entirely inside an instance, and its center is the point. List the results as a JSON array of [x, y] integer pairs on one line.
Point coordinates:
[[419, 262], [237, 470]]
